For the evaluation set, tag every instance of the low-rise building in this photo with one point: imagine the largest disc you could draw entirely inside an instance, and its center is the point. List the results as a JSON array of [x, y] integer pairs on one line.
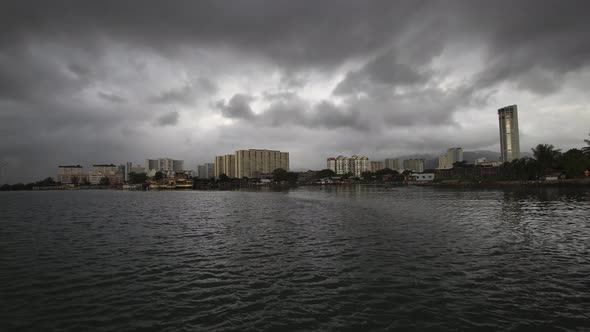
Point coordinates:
[[422, 177]]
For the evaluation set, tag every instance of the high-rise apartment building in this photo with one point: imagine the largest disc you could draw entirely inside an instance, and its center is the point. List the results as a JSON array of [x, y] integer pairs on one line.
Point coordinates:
[[415, 165], [452, 156], [392, 164], [509, 136], [375, 166], [344, 165], [225, 165], [165, 165], [206, 171], [255, 163]]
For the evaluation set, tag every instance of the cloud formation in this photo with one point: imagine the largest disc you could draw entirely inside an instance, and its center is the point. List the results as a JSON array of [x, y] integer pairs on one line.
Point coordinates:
[[87, 81]]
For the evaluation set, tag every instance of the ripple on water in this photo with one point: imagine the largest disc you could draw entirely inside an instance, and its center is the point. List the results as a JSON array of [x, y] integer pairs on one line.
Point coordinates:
[[340, 258]]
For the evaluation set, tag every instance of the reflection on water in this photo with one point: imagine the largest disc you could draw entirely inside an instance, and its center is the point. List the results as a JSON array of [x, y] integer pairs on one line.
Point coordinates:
[[339, 257]]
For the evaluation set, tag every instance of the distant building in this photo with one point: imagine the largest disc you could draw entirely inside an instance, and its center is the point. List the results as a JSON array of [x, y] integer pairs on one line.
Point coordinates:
[[331, 164], [110, 171], [165, 165], [252, 163], [414, 165], [509, 135], [128, 166], [344, 165], [375, 166], [452, 156], [480, 160], [225, 165], [70, 174], [392, 164], [206, 171], [137, 169]]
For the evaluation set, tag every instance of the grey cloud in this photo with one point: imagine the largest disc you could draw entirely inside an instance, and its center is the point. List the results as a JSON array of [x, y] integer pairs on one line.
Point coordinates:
[[168, 119], [187, 94], [238, 107], [57, 58], [111, 97], [181, 95]]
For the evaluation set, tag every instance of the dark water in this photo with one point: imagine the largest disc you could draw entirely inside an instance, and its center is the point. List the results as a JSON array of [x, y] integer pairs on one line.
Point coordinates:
[[336, 259]]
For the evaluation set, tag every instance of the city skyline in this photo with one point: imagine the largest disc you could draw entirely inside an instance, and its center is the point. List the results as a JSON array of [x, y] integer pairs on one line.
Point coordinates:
[[85, 81]]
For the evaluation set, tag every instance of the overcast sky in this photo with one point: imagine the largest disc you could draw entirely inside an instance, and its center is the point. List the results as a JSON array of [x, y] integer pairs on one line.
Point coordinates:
[[85, 82]]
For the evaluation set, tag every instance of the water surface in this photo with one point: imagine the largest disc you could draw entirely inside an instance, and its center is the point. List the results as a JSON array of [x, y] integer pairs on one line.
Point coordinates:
[[339, 258]]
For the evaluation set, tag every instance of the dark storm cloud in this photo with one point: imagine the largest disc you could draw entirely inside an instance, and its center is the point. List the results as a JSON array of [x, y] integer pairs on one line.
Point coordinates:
[[90, 72], [168, 119], [382, 70]]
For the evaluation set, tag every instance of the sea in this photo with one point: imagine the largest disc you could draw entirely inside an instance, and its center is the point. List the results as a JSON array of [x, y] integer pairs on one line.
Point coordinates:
[[325, 258]]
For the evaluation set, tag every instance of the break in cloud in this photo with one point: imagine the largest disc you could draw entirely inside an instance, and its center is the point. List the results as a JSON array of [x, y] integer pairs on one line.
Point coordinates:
[[114, 81]]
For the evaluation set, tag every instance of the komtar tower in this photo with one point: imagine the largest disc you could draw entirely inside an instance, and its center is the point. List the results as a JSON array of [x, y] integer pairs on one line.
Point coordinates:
[[509, 137]]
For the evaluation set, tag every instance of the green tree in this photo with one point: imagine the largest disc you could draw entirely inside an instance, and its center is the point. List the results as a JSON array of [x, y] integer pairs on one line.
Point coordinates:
[[75, 180], [367, 175], [281, 175], [547, 155], [137, 177], [386, 171], [46, 182], [574, 162], [223, 178], [104, 181], [85, 182], [325, 173], [159, 175]]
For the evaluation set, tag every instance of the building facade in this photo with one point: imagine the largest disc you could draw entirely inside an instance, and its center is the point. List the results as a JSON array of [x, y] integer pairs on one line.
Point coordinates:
[[206, 171], [509, 134], [167, 166], [344, 165], [70, 174], [225, 165], [375, 166], [414, 165], [110, 171], [255, 163], [452, 156], [392, 164]]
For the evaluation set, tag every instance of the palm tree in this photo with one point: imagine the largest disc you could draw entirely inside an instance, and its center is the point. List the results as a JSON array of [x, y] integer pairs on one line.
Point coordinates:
[[586, 149], [546, 154]]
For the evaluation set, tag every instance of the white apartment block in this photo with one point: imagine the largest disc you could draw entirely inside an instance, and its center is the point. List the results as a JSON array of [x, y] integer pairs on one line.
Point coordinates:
[[344, 165]]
